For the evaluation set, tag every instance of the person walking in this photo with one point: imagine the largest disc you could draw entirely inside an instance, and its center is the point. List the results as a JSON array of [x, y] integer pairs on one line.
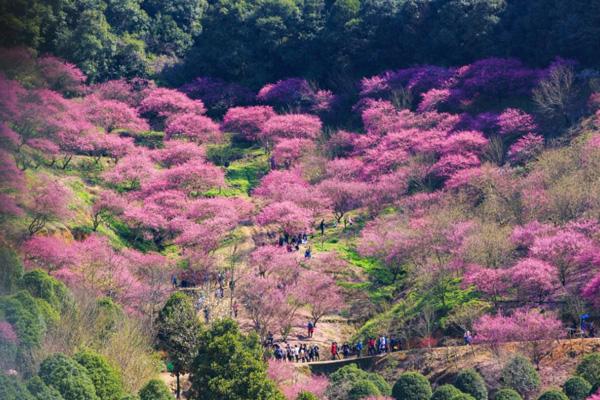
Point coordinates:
[[346, 350], [310, 328], [296, 352], [334, 351], [371, 346], [316, 355], [358, 347], [468, 338]]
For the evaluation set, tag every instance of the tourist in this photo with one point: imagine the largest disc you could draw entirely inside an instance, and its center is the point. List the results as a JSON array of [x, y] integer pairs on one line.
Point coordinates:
[[358, 347], [346, 350], [310, 328], [334, 351]]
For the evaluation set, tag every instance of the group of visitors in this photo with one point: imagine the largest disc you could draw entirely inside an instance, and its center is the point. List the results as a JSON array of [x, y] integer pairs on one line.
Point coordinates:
[[296, 353], [292, 243]]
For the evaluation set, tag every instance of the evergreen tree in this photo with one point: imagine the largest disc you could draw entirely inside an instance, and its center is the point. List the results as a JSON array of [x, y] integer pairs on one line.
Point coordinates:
[[230, 366], [178, 330]]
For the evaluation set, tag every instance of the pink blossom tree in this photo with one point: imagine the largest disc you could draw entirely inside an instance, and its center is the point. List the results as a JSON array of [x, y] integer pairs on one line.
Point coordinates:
[[287, 216], [292, 382], [48, 201], [161, 103], [61, 76], [113, 114], [193, 178], [288, 151], [345, 196], [49, 253], [247, 122], [321, 293], [107, 204], [194, 127], [534, 279], [176, 152], [290, 126], [526, 148], [131, 171]]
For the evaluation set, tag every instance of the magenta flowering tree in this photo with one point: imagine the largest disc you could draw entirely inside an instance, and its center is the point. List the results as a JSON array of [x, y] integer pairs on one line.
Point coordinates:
[[465, 142], [49, 253], [522, 325], [494, 283], [275, 261], [193, 178], [291, 382], [106, 205], [296, 94], [301, 126], [514, 122], [526, 149], [286, 216], [49, 201], [450, 164], [113, 114], [247, 122], [217, 94], [321, 293], [562, 250], [61, 76], [131, 92], [534, 280], [288, 151], [591, 291], [196, 128], [341, 144], [177, 152], [161, 103], [131, 171], [344, 195]]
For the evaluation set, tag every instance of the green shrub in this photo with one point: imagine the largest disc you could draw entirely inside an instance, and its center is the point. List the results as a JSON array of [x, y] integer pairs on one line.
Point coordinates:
[[306, 396], [41, 391], [12, 389], [362, 389], [106, 378], [553, 394], [42, 286], [445, 392], [577, 388], [520, 375], [463, 396], [507, 394], [11, 270], [343, 380], [411, 386], [68, 377], [155, 390], [470, 382], [23, 313], [589, 369]]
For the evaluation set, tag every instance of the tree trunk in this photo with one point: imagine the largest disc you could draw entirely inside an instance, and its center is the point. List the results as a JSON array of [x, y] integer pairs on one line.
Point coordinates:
[[178, 389]]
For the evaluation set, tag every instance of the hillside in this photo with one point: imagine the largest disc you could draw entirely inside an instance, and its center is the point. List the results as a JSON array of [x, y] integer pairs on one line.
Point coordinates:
[[148, 229]]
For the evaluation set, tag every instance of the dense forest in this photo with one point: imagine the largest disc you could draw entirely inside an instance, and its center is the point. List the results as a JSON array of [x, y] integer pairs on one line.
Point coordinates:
[[330, 42], [234, 200]]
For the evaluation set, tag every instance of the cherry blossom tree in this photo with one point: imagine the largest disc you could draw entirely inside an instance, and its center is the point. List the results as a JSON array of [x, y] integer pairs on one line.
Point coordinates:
[[345, 196], [131, 171], [49, 253], [193, 178], [301, 126], [287, 216], [161, 103], [321, 293], [247, 122], [287, 151], [113, 114], [534, 279], [526, 149], [107, 204], [291, 382], [176, 152], [61, 76], [194, 127], [48, 201]]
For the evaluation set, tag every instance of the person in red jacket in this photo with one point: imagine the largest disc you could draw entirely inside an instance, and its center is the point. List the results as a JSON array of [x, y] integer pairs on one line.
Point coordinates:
[[334, 351]]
